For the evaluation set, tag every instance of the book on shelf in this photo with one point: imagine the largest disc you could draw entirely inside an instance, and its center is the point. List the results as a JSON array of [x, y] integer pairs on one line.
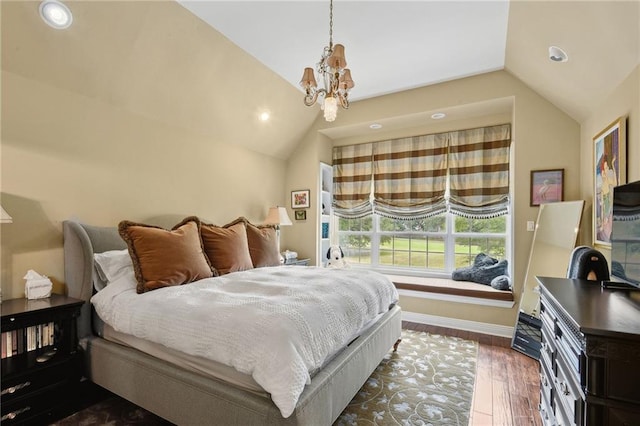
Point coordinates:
[[27, 339]]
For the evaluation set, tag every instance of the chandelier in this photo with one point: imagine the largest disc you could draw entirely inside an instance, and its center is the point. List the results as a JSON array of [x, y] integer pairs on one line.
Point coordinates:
[[335, 77]]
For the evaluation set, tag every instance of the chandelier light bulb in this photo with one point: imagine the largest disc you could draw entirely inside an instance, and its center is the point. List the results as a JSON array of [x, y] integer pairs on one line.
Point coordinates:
[[330, 108]]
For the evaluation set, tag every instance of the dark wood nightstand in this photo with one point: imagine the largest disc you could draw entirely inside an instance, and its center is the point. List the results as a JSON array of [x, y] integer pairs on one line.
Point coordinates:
[[40, 378], [297, 262]]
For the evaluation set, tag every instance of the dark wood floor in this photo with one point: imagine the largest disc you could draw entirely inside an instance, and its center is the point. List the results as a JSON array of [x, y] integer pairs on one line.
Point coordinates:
[[507, 382]]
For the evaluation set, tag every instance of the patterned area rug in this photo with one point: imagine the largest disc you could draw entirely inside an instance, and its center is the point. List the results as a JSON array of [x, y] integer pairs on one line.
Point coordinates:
[[429, 381], [113, 411]]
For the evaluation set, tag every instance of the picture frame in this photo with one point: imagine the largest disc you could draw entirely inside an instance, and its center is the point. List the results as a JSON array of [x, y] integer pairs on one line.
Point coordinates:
[[301, 199], [547, 186], [609, 170], [301, 214]]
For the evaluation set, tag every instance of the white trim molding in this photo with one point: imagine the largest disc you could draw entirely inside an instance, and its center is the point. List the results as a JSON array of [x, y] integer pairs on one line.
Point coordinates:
[[459, 324]]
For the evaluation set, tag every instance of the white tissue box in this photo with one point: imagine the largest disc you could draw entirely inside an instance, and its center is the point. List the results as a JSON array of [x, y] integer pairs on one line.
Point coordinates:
[[288, 255], [38, 288]]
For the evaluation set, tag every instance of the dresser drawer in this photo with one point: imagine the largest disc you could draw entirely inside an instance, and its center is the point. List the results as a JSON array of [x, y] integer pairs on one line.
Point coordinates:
[[546, 411], [54, 372], [567, 395], [547, 350], [34, 407]]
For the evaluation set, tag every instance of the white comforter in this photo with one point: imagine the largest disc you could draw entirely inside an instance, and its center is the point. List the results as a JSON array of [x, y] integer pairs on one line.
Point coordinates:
[[275, 324]]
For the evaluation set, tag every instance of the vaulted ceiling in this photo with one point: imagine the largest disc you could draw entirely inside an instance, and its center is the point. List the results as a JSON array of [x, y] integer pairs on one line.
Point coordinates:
[[211, 67], [398, 45]]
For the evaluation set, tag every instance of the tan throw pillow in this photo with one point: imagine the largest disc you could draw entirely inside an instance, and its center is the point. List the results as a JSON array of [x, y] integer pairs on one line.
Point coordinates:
[[263, 243], [226, 247], [163, 258]]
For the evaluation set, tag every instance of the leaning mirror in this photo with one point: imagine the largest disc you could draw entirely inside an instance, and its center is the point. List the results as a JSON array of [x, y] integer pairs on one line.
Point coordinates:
[[553, 242]]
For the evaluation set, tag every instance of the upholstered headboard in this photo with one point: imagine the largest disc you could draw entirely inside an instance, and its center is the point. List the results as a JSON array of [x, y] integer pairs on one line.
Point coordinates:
[[80, 243]]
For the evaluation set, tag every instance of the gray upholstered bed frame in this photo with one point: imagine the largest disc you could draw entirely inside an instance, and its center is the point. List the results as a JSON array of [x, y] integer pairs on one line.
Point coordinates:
[[184, 397]]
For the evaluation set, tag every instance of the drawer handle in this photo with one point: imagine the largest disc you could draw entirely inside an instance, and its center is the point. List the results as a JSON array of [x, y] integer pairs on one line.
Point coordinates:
[[543, 379], [564, 388], [14, 389], [12, 415]]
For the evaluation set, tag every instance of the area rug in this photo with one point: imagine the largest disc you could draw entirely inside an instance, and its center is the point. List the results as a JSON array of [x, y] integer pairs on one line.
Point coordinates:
[[428, 381], [113, 411]]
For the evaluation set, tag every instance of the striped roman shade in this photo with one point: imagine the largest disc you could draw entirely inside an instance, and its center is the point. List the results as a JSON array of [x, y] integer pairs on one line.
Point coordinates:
[[352, 166], [479, 171], [410, 176]]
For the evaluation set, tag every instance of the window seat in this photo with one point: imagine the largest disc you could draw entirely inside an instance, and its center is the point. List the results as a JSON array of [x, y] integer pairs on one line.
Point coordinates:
[[448, 289]]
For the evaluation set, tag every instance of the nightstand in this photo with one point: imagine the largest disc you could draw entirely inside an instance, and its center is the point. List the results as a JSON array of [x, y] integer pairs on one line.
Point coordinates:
[[42, 373], [297, 262]]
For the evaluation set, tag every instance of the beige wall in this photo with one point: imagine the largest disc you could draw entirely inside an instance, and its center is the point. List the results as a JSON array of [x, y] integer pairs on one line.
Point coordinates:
[[152, 122], [624, 101], [543, 138], [68, 156]]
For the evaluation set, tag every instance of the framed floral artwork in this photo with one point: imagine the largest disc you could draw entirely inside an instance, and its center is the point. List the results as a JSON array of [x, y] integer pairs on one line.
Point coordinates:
[[609, 170], [547, 186], [300, 199]]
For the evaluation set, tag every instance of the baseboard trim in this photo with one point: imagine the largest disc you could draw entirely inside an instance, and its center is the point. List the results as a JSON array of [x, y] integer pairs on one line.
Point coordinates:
[[459, 324]]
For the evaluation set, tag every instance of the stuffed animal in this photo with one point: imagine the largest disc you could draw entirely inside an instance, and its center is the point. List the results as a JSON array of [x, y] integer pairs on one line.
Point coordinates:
[[336, 258]]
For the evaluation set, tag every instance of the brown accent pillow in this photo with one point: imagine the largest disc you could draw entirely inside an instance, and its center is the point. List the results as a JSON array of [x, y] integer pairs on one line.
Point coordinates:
[[263, 243], [163, 258], [226, 247]]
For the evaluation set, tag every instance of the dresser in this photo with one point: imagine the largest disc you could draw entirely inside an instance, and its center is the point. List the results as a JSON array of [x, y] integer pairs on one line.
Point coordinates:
[[590, 354]]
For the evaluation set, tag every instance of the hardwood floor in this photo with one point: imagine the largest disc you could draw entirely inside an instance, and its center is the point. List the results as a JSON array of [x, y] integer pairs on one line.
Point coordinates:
[[507, 389]]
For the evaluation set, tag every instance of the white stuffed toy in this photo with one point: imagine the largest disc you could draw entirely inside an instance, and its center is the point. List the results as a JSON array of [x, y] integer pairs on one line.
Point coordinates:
[[336, 258]]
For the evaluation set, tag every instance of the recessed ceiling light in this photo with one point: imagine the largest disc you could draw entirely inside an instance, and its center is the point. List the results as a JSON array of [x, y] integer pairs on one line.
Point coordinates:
[[557, 55], [56, 14], [375, 126], [264, 116], [438, 115]]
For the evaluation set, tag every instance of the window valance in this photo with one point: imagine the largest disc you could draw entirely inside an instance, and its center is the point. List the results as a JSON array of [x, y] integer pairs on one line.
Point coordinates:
[[408, 178]]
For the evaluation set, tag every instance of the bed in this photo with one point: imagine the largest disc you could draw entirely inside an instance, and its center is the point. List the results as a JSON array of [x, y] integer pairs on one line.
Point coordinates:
[[184, 395]]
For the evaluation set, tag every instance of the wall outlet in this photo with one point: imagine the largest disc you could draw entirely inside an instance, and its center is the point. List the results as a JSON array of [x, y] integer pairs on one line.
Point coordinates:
[[531, 226]]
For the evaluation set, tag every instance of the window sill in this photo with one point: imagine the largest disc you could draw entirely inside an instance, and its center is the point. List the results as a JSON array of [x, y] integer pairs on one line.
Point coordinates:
[[446, 289]]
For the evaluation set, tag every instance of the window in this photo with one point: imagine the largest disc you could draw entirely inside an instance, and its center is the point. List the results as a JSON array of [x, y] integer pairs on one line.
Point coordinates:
[[435, 245], [426, 204]]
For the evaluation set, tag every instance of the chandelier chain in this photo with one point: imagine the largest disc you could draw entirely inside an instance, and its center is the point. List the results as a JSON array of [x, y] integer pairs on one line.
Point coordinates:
[[330, 24]]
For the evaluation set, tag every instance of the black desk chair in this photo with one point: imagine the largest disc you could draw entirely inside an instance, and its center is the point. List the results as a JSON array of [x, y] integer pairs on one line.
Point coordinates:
[[588, 263]]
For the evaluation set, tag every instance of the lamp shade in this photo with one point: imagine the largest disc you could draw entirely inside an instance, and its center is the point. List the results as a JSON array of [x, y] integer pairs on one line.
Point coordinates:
[[278, 216], [308, 79], [5, 218], [345, 80], [337, 59]]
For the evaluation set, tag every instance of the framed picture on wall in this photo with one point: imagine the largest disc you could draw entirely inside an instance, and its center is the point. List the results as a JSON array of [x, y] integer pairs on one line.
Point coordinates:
[[301, 214], [547, 186], [300, 199], [609, 170]]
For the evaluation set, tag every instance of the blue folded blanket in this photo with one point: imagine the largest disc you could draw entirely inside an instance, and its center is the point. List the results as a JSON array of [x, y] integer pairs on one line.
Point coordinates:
[[485, 270]]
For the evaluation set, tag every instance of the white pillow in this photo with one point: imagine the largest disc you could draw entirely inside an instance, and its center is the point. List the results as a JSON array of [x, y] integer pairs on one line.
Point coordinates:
[[110, 266]]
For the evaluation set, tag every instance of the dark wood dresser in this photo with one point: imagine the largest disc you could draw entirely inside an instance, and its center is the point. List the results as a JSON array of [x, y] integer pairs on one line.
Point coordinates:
[[590, 355]]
